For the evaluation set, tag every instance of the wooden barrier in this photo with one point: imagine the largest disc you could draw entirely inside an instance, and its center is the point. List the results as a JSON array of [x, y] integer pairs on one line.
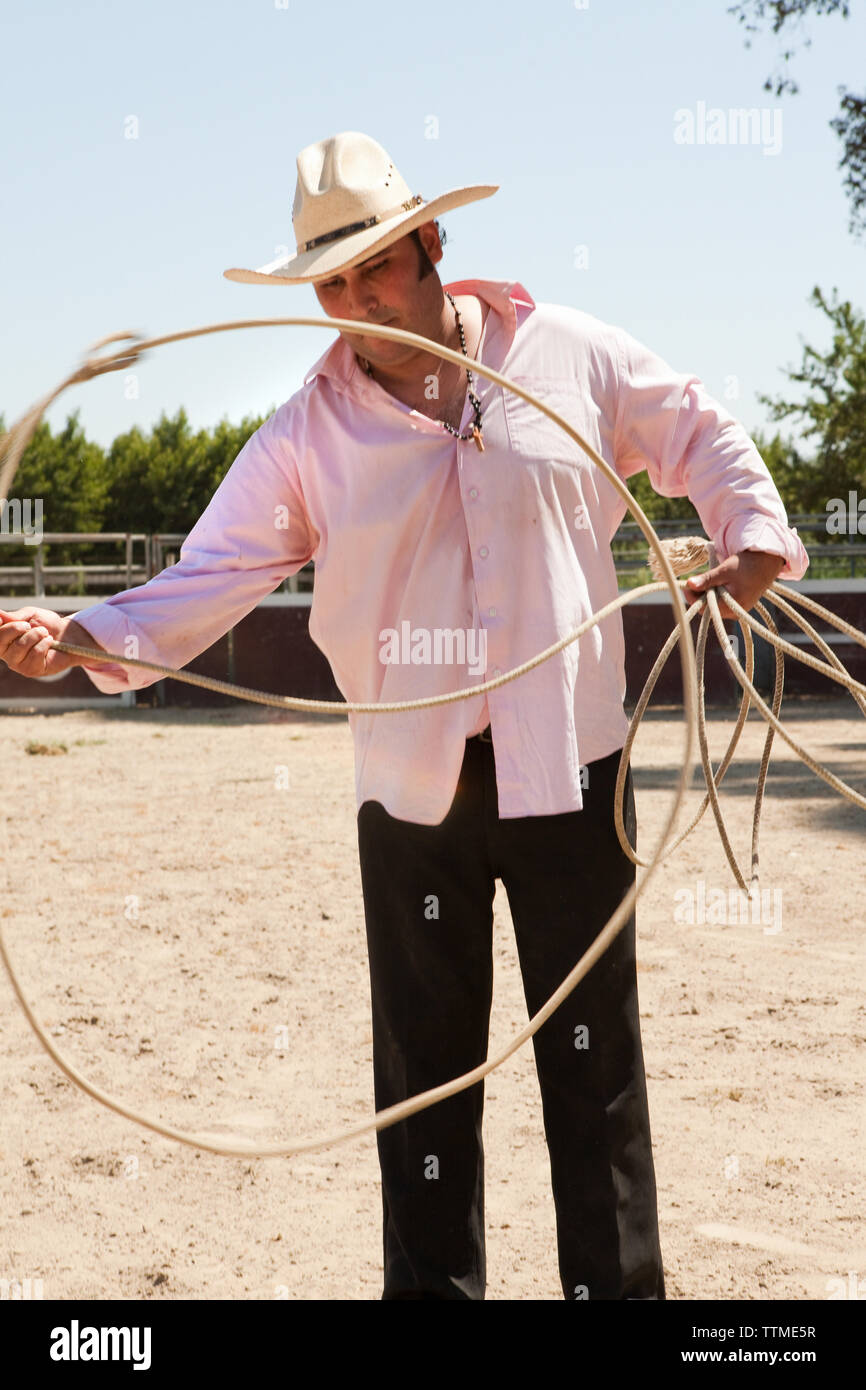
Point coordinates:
[[271, 649]]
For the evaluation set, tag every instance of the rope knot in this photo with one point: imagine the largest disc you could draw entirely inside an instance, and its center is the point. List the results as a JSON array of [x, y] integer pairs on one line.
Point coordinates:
[[685, 553]]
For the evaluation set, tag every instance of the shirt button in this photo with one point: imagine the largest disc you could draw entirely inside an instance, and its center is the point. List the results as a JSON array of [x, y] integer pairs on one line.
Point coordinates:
[[497, 671], [491, 612], [484, 552], [473, 493]]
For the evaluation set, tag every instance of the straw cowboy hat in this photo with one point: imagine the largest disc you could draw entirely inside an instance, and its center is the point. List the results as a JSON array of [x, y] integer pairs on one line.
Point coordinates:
[[350, 202]]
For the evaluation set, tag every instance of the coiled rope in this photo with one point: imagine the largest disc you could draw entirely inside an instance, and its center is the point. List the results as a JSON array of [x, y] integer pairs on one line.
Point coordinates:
[[691, 555]]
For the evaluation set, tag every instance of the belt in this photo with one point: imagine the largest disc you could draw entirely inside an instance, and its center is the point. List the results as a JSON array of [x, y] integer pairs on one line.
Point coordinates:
[[484, 737]]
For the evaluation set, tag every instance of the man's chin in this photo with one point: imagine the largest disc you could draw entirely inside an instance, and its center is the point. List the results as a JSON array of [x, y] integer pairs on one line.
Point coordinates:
[[381, 346], [384, 356]]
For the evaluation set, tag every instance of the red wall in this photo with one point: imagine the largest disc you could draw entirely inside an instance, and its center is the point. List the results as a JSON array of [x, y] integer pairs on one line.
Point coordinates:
[[271, 650]]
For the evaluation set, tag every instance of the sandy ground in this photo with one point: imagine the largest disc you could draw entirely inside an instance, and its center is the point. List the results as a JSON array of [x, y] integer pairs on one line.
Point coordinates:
[[193, 938]]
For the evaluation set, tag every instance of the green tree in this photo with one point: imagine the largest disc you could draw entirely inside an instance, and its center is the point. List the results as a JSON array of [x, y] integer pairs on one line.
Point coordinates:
[[832, 413], [786, 468], [66, 470], [850, 124], [162, 481], [660, 508], [155, 481]]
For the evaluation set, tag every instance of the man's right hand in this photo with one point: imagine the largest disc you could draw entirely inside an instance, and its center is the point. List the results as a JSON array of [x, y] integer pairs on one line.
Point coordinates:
[[26, 636]]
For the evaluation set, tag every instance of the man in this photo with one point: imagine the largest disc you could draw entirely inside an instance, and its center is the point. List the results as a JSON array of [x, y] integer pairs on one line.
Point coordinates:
[[446, 517]]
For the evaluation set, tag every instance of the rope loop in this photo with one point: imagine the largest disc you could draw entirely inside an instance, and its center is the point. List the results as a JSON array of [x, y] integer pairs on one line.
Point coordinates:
[[667, 559]]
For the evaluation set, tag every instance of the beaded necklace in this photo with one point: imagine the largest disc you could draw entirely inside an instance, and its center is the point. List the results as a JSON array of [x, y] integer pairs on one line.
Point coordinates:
[[474, 431]]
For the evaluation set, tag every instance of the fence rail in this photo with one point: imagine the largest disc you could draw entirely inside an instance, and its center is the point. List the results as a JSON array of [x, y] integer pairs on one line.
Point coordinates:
[[829, 558], [143, 556]]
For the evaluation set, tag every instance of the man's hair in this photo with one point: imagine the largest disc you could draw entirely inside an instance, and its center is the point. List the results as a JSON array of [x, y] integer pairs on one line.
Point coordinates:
[[425, 265]]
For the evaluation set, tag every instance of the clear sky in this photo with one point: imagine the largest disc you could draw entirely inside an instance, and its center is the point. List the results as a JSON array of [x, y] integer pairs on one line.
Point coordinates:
[[706, 252]]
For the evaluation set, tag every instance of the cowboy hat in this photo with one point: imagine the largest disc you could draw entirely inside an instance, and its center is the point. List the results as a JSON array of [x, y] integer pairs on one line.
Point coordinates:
[[350, 202]]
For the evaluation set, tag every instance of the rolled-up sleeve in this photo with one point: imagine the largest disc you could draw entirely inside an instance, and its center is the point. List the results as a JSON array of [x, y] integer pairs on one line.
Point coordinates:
[[669, 424], [254, 533]]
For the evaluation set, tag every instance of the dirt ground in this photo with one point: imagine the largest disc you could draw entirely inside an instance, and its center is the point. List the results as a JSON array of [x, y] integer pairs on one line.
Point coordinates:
[[191, 933]]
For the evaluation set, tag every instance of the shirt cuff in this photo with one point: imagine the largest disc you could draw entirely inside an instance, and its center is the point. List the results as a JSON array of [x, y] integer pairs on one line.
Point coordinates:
[[764, 533], [110, 630]]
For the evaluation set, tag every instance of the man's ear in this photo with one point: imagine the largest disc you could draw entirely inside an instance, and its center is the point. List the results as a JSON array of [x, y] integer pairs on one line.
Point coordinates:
[[429, 234]]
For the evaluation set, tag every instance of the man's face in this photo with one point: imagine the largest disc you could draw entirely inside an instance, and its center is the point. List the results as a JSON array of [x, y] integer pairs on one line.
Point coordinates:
[[387, 288]]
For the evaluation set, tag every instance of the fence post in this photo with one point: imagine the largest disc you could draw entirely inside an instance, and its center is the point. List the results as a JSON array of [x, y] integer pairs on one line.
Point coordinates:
[[128, 560], [38, 575]]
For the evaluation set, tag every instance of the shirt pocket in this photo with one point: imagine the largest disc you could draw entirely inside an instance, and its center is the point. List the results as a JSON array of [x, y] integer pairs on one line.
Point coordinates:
[[533, 435]]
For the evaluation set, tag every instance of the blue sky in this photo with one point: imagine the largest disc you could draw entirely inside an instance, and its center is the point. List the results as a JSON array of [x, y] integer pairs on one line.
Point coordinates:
[[706, 252]]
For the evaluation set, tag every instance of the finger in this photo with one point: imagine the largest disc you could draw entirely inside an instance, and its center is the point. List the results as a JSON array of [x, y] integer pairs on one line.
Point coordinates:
[[46, 621], [746, 600], [712, 576], [724, 611], [698, 585], [42, 652], [10, 633], [38, 659], [30, 636], [18, 652]]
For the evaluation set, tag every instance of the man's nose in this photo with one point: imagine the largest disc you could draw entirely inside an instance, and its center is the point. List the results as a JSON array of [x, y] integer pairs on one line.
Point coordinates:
[[363, 302]]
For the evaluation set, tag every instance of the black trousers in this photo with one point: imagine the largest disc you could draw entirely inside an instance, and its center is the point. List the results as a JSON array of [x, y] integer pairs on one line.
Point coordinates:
[[428, 895]]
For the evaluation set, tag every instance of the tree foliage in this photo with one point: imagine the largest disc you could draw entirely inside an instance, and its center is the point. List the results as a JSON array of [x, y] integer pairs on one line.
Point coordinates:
[[66, 470], [787, 17], [155, 481], [162, 481], [831, 414]]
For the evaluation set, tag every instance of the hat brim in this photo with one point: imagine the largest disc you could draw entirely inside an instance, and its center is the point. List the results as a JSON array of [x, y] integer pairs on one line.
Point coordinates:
[[306, 266]]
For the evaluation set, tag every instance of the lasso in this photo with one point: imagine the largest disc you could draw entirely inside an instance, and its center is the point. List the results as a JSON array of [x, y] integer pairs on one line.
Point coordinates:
[[667, 560]]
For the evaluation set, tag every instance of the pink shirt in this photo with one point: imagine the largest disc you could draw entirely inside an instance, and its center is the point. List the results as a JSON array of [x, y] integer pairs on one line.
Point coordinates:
[[414, 533]]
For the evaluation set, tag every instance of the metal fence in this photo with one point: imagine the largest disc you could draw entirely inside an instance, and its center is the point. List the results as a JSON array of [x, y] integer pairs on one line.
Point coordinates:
[[830, 557], [134, 558]]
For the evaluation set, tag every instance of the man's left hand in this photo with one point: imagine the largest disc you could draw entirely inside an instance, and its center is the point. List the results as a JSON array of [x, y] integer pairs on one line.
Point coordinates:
[[745, 576]]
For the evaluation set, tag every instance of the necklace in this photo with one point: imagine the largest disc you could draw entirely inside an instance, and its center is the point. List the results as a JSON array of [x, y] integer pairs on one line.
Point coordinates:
[[474, 431]]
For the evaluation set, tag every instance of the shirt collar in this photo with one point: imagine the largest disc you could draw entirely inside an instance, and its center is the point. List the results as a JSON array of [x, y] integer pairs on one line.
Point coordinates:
[[505, 297]]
